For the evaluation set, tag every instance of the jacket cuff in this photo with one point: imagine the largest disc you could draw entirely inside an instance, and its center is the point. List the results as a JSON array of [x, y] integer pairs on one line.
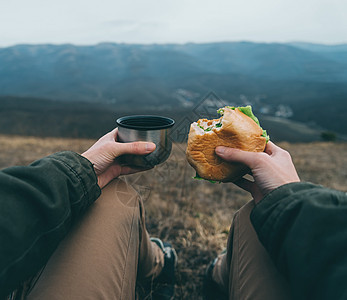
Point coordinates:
[[268, 211], [82, 169]]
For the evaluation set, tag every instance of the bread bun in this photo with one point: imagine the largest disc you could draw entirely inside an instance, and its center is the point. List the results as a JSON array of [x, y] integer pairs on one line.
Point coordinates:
[[234, 129]]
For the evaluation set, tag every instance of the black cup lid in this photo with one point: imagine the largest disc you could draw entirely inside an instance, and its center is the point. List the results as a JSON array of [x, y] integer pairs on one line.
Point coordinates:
[[145, 122]]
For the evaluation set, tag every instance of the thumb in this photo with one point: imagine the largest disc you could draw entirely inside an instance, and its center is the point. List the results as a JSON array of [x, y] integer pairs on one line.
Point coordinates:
[[236, 155], [137, 148]]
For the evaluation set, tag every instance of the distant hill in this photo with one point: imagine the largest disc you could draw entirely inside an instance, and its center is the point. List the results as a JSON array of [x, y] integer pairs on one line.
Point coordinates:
[[49, 118], [308, 81], [105, 71]]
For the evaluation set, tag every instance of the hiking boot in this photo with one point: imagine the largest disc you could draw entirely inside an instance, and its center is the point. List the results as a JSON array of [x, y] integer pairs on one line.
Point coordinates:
[[162, 287], [211, 289]]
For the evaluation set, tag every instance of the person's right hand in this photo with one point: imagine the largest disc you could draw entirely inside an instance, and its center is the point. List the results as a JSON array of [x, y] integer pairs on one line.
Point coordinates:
[[270, 169]]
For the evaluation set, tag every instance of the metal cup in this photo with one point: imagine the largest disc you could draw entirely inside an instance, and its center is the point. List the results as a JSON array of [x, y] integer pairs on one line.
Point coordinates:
[[146, 128]]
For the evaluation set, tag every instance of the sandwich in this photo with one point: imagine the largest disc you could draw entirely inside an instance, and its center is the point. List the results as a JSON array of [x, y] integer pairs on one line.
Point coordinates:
[[236, 128]]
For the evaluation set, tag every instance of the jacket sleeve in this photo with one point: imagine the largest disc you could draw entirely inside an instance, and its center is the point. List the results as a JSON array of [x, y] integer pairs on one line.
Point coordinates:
[[304, 229], [38, 205]]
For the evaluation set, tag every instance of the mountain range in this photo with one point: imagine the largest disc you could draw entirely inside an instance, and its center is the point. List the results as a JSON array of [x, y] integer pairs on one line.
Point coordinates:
[[308, 80]]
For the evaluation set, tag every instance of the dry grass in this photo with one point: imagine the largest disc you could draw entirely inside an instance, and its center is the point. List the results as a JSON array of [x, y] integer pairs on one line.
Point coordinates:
[[193, 215]]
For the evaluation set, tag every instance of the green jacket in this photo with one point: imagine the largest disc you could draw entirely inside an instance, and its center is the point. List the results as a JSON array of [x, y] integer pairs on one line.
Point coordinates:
[[304, 229], [38, 205], [303, 226]]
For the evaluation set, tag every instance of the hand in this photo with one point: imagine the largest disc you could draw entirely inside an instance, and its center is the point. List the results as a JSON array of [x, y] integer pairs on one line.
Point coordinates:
[[104, 152], [270, 169]]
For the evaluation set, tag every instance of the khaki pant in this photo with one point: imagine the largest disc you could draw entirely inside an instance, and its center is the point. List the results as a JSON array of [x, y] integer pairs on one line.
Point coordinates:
[[109, 251], [104, 254], [246, 271]]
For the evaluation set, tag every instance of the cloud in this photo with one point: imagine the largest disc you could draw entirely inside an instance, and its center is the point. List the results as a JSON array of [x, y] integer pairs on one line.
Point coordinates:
[[166, 21]]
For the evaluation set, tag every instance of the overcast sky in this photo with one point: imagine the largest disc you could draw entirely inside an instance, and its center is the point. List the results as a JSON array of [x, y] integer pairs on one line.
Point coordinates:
[[171, 21]]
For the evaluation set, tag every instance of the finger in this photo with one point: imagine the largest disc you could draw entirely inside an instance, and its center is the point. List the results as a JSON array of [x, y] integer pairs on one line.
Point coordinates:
[[110, 136], [127, 170], [114, 134], [136, 148], [271, 148], [245, 184], [236, 155], [274, 150], [251, 187]]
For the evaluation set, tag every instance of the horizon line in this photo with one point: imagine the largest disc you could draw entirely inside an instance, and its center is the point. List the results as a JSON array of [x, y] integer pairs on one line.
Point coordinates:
[[175, 43]]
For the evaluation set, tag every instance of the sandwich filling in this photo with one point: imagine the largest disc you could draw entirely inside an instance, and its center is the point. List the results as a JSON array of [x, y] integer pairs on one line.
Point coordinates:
[[204, 126]]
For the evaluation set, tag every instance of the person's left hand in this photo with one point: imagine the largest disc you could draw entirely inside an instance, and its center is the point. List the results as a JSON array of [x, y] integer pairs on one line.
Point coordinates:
[[104, 152]]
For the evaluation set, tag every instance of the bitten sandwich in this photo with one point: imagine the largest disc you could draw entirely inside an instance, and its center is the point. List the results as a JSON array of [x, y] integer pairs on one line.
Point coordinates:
[[236, 128]]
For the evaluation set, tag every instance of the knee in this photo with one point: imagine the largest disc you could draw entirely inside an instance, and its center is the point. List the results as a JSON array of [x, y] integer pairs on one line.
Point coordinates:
[[246, 209], [121, 192]]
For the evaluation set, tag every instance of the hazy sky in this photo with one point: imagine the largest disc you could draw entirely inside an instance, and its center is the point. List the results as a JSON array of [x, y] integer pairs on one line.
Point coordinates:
[[175, 21]]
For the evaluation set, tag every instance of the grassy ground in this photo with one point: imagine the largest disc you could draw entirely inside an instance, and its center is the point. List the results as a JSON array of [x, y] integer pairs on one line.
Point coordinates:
[[193, 215]]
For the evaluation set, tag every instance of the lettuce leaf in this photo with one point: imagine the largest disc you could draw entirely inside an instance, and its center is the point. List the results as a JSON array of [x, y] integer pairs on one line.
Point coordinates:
[[197, 176], [247, 110]]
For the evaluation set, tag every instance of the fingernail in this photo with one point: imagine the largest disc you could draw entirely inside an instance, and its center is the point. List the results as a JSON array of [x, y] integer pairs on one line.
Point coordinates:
[[220, 150], [150, 147]]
